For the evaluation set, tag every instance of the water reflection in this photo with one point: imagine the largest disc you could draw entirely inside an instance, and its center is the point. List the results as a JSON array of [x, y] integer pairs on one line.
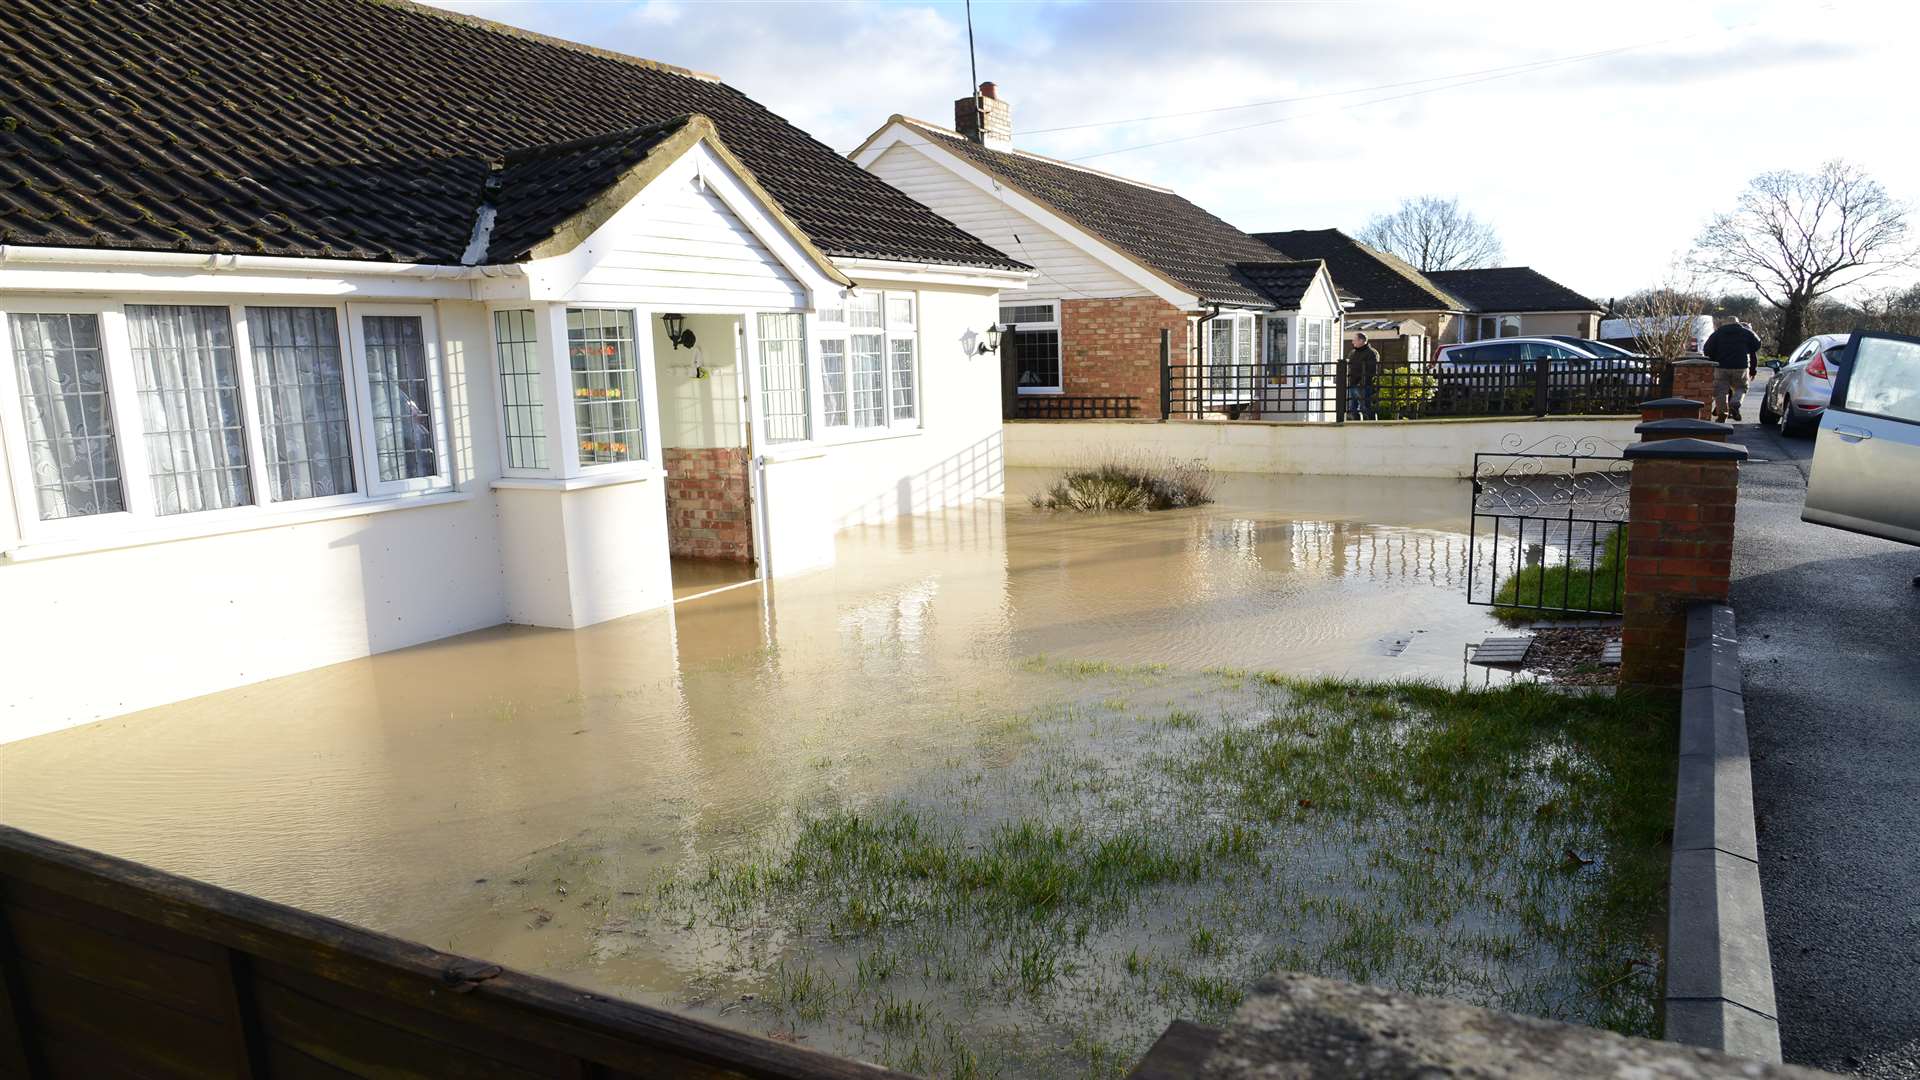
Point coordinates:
[[382, 790]]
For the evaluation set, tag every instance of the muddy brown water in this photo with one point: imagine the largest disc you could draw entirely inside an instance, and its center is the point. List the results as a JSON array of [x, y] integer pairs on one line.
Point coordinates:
[[399, 791]]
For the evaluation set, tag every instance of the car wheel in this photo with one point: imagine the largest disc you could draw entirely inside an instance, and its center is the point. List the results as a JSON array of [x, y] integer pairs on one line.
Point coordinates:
[[1791, 427], [1767, 416]]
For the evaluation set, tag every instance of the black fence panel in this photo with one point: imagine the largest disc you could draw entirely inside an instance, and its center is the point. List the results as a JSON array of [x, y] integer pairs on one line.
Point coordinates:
[[1549, 529]]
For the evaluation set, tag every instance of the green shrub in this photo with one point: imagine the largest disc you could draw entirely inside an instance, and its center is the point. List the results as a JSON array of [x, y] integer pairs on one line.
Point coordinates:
[[1402, 392], [1132, 485], [1568, 585]]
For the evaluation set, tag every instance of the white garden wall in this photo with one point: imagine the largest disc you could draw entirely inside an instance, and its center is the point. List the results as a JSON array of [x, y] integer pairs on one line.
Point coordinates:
[[1420, 448]]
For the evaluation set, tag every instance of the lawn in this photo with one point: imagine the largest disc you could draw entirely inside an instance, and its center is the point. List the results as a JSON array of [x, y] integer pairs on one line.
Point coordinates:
[[1576, 587], [1147, 846]]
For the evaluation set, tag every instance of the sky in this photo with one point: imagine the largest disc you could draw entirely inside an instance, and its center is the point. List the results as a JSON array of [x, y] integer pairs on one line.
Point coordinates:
[[1597, 138]]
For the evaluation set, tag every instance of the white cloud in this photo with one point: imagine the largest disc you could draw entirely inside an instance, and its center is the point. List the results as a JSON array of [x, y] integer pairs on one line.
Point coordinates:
[[1595, 172]]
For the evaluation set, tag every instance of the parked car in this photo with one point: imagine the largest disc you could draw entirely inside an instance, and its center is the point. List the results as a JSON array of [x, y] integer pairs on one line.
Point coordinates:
[[1798, 393], [1501, 375], [1594, 348], [1866, 467]]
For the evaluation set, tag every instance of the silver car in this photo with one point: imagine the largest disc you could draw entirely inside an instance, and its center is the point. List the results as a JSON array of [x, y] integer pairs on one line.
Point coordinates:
[[1798, 393], [1866, 467]]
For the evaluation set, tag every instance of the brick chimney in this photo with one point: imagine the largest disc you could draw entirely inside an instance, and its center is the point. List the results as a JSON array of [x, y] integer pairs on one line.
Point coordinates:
[[985, 119]]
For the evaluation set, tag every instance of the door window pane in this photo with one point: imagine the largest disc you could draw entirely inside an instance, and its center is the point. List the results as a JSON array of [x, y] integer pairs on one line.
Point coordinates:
[[869, 377], [402, 391], [521, 402], [1885, 380], [63, 393], [302, 387], [187, 380], [783, 377], [606, 385], [900, 377], [833, 380]]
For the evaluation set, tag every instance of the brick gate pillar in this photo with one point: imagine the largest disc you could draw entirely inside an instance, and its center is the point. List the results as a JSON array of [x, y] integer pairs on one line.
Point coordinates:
[[1693, 380], [1679, 549]]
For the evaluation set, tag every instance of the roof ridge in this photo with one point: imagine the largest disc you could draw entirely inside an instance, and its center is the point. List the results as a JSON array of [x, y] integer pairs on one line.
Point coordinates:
[[475, 22], [536, 151], [1031, 156]]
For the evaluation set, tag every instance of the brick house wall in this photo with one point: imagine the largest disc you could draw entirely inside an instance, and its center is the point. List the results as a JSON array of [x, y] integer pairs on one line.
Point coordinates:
[[708, 516], [1112, 347]]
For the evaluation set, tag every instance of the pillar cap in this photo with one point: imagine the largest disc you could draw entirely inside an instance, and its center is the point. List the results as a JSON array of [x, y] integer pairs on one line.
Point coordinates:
[[1672, 403], [1682, 425], [1695, 361], [1686, 450]]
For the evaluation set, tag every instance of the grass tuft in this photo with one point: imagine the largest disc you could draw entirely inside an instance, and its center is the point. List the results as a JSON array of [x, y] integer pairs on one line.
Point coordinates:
[[1131, 484]]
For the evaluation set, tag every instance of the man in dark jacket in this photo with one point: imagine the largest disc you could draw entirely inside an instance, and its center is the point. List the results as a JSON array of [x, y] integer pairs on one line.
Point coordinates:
[[1363, 363], [1735, 352]]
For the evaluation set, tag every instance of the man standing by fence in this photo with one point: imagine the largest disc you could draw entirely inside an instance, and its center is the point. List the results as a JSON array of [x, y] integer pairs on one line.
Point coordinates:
[[1363, 365], [1735, 352]]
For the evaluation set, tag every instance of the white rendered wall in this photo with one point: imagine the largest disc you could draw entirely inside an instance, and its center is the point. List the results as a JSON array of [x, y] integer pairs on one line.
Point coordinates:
[[1420, 448], [699, 412]]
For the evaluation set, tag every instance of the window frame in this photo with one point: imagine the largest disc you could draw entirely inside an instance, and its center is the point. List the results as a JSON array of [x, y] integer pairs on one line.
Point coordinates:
[[140, 522], [544, 350], [650, 456], [822, 329], [442, 478], [1052, 323]]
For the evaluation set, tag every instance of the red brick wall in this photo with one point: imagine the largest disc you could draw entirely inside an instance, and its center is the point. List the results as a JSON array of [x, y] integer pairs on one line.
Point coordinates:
[[707, 508], [1679, 552], [1112, 347]]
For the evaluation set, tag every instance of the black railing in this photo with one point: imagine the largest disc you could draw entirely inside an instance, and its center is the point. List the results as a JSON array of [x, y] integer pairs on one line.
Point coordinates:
[[1075, 407], [1324, 390]]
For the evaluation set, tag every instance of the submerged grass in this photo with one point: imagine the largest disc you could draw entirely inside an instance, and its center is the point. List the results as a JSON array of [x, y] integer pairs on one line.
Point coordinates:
[[1131, 484], [1505, 846]]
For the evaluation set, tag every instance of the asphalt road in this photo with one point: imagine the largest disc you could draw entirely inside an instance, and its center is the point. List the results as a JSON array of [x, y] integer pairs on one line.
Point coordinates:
[[1830, 646]]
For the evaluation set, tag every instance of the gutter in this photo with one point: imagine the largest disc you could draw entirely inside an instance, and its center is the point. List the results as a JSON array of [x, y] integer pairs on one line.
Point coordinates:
[[282, 264], [1200, 331]]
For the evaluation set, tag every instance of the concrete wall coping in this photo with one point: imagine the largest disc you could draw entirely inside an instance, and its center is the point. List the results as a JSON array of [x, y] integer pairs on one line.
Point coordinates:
[[1719, 991], [1687, 450], [1684, 424], [1331, 425]]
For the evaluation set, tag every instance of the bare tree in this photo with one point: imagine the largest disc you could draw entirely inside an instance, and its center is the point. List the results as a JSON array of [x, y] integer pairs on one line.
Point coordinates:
[[1434, 234], [1795, 237], [1662, 318]]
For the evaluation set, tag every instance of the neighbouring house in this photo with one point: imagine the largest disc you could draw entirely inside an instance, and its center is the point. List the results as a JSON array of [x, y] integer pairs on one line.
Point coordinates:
[[1451, 305], [1124, 272], [1519, 301], [333, 326]]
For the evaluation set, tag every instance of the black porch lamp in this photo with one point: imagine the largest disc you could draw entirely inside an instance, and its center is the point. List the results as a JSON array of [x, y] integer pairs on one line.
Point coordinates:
[[676, 336], [992, 342]]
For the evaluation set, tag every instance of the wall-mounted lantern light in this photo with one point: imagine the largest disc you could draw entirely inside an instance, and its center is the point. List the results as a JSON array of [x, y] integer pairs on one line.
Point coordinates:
[[992, 342], [676, 335]]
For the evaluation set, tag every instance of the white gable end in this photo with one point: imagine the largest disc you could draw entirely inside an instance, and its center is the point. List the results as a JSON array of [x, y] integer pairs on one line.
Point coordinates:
[[1064, 271], [681, 242]]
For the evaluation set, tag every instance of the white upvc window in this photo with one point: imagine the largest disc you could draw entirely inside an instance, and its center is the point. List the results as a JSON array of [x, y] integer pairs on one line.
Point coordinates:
[[1499, 326], [1228, 349], [1032, 330], [603, 360], [869, 363], [119, 414], [520, 359], [784, 404]]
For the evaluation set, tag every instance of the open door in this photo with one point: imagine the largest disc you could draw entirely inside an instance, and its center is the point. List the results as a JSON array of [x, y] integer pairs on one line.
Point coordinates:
[[1866, 465]]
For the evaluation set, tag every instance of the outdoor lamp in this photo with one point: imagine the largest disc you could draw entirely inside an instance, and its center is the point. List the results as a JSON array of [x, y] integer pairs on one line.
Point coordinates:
[[676, 336], [992, 343]]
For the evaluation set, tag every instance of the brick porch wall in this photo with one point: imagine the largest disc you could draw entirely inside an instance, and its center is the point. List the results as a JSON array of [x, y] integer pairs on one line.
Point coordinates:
[[1112, 347], [707, 510]]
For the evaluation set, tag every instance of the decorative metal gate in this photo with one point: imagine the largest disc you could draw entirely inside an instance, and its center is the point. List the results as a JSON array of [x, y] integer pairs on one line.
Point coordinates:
[[1549, 533]]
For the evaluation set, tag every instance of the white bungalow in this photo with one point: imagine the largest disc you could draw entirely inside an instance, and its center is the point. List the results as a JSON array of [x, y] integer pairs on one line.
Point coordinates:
[[439, 325]]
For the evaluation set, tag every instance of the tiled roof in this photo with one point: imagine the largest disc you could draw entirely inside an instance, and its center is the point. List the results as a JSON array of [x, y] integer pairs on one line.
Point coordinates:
[[535, 191], [1284, 283], [1381, 281], [367, 129], [1511, 288], [1154, 226]]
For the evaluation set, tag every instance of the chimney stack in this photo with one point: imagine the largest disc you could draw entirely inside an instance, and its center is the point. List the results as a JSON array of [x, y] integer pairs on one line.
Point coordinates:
[[985, 119]]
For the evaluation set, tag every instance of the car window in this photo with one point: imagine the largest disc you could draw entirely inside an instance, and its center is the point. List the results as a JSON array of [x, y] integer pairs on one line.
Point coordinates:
[[1885, 380], [1504, 353], [1807, 348], [1561, 352], [1462, 355]]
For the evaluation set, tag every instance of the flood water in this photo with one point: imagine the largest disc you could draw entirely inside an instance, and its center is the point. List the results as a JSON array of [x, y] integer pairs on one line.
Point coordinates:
[[399, 791]]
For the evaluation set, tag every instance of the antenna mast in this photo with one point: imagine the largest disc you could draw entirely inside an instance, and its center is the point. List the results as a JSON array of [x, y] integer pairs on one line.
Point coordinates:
[[973, 68]]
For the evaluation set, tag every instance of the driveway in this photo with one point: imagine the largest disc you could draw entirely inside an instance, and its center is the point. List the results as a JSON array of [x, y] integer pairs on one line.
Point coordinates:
[[1830, 645]]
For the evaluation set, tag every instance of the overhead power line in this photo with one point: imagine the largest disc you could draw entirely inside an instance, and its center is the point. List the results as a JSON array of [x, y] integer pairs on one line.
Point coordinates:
[[1488, 75]]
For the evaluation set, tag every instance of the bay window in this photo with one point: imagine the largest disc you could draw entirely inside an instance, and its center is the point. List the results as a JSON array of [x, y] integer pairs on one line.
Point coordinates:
[[1228, 357], [1035, 341], [131, 412], [868, 366], [516, 345]]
